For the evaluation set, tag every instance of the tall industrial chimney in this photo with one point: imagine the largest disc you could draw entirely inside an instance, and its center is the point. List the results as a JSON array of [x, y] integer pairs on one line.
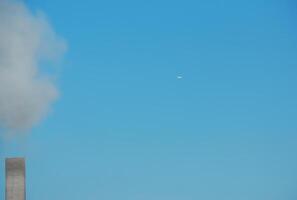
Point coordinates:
[[15, 179]]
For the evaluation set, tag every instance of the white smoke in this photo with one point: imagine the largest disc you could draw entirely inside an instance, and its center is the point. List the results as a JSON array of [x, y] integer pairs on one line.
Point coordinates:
[[26, 38]]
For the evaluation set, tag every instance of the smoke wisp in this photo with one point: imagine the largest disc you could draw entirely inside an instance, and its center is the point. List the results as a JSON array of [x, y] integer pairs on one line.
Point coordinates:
[[26, 39]]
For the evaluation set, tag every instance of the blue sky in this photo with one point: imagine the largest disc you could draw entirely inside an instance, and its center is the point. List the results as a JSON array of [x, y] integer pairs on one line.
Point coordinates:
[[126, 128]]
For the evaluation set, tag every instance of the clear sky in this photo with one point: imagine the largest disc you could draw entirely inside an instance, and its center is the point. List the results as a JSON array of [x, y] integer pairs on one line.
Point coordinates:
[[127, 127]]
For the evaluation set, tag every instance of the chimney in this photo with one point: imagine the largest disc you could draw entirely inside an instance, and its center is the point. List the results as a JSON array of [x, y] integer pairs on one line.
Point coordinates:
[[15, 179]]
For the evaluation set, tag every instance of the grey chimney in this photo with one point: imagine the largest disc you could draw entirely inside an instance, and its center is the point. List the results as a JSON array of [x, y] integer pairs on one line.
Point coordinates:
[[15, 179]]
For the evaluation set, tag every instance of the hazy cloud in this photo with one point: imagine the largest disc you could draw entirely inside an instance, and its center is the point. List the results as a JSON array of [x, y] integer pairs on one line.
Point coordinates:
[[26, 38]]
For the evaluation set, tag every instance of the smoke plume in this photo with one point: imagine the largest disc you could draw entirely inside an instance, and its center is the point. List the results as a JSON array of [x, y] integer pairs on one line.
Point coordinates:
[[26, 40]]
